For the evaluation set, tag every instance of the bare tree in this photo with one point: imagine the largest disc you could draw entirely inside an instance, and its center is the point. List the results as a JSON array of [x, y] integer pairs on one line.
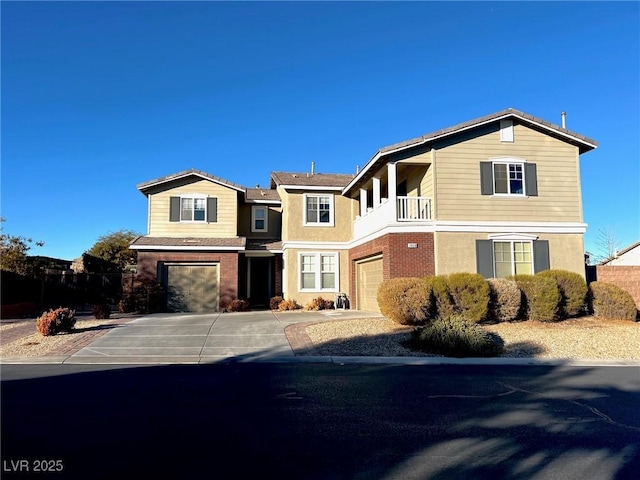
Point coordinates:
[[608, 245]]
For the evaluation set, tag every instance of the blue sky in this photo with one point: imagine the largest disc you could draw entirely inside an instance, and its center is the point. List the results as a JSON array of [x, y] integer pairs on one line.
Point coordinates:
[[100, 96]]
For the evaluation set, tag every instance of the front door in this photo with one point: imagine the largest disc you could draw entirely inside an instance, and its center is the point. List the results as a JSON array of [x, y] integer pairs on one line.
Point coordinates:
[[260, 273]]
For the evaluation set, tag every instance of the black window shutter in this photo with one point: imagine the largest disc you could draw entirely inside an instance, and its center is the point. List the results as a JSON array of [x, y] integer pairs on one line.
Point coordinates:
[[484, 258], [541, 255], [174, 209], [486, 178], [531, 179], [212, 209]]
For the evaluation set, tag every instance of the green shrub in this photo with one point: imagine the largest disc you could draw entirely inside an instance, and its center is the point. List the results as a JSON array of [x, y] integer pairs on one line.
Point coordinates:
[[506, 299], [573, 290], [319, 303], [275, 302], [456, 337], [444, 307], [541, 297], [405, 300], [289, 305], [101, 310], [470, 294], [610, 301], [238, 306], [56, 321]]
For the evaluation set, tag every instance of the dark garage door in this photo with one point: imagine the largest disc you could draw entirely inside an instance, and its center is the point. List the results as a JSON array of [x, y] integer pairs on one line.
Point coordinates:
[[192, 288]]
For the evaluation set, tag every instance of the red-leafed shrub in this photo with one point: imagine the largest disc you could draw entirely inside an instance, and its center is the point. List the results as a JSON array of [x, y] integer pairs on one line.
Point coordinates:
[[56, 321], [238, 306], [275, 302], [319, 303], [101, 310], [289, 305]]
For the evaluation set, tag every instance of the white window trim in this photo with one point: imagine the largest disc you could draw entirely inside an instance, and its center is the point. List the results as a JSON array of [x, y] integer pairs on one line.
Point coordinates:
[[509, 161], [254, 208], [511, 241], [318, 273], [194, 196], [331, 210]]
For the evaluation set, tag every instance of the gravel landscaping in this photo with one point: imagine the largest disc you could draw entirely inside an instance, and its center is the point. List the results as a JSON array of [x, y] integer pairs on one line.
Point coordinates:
[[36, 345], [582, 338]]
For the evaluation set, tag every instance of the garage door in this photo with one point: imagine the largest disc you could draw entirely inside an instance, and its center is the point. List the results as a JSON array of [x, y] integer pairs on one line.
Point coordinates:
[[368, 277], [192, 288]]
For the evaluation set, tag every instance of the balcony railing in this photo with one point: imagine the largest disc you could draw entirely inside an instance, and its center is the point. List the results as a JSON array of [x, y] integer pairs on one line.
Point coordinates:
[[405, 211], [412, 209]]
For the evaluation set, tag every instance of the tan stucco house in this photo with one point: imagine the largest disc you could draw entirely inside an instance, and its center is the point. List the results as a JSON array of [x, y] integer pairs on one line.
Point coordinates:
[[497, 195]]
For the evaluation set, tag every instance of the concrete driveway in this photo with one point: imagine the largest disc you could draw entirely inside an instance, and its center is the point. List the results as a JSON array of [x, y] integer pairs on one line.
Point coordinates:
[[203, 338]]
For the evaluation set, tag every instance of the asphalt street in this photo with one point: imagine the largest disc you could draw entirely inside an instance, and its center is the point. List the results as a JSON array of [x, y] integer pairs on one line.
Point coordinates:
[[320, 421]]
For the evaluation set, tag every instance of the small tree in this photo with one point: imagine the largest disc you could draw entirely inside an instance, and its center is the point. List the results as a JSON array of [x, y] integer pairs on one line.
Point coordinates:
[[13, 253], [608, 245], [114, 247]]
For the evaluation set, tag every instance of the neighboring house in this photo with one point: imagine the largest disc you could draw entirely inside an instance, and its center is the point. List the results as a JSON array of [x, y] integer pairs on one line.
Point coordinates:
[[496, 195], [623, 270]]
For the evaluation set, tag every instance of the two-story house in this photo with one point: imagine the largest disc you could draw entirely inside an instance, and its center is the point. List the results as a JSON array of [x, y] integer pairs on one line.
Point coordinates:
[[498, 195]]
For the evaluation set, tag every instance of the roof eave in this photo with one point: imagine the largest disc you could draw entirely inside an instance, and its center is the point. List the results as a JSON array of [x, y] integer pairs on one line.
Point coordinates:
[[584, 145]]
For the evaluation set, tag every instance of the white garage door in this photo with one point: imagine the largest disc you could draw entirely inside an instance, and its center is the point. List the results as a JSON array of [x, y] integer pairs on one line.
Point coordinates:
[[368, 278], [192, 288]]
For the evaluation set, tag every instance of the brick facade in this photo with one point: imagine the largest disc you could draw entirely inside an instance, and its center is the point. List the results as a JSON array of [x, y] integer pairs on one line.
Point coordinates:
[[228, 261], [398, 260], [626, 277]]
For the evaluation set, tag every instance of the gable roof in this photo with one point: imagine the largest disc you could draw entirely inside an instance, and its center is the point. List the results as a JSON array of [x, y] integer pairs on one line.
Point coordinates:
[[583, 143], [143, 187], [269, 195], [301, 180], [621, 252]]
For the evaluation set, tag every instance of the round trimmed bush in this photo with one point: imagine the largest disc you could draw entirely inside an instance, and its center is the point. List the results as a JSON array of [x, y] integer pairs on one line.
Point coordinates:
[[405, 300], [611, 301], [456, 337], [444, 307], [573, 290], [470, 294], [541, 297], [506, 299]]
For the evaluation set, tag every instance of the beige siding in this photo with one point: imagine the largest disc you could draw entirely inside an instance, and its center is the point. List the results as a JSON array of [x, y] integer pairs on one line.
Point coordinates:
[[226, 226], [292, 283], [458, 179], [274, 219], [293, 228], [455, 252]]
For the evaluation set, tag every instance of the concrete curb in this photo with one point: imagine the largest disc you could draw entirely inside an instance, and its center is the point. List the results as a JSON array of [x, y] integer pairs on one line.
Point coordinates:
[[339, 360]]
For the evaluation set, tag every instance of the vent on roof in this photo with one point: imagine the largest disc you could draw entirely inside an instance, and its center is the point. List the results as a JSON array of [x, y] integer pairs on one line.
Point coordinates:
[[563, 116]]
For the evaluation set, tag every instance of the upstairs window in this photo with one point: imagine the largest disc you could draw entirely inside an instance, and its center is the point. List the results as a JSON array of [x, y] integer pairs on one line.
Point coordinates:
[[259, 219], [508, 177], [318, 210], [193, 209]]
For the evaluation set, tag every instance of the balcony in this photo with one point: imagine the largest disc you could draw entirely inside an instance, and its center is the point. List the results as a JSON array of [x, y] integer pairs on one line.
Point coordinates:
[[406, 212]]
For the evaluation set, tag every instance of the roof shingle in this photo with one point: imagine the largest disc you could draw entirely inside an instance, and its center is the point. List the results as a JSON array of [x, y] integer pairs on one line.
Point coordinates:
[[311, 180]]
